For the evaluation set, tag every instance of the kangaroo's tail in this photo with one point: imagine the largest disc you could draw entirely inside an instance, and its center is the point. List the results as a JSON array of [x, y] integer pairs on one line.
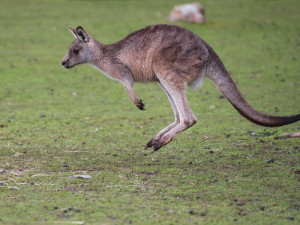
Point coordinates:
[[228, 88]]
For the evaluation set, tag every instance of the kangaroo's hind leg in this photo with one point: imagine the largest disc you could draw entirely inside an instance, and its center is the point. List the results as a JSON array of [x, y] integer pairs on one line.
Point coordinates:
[[186, 115], [157, 137]]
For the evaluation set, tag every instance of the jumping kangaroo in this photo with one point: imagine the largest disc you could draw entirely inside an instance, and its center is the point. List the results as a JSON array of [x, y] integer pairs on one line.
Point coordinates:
[[172, 56]]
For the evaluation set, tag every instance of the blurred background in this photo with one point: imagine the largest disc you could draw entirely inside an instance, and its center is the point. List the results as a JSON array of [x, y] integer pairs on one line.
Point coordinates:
[[34, 35], [251, 37], [56, 122]]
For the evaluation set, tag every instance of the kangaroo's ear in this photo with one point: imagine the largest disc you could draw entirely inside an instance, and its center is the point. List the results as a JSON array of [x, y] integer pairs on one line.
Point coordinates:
[[82, 35], [73, 31]]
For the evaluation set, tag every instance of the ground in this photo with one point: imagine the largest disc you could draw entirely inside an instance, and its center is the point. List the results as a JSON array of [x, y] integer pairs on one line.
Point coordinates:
[[57, 123]]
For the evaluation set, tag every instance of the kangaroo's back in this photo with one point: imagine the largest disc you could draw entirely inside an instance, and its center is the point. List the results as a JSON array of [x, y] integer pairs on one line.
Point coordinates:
[[154, 50]]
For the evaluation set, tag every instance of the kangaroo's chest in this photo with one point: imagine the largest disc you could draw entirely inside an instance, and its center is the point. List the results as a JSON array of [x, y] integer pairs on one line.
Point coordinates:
[[139, 59]]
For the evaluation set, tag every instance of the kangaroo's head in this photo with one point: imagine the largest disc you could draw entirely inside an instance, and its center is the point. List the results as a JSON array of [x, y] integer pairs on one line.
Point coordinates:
[[81, 50]]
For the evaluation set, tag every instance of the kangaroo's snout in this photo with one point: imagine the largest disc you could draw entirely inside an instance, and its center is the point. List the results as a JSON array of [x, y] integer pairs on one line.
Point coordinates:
[[64, 63]]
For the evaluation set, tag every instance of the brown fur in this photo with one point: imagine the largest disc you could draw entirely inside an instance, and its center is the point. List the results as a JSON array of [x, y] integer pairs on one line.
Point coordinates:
[[171, 56]]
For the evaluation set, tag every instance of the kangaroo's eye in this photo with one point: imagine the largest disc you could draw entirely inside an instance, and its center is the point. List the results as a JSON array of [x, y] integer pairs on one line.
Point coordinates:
[[75, 51]]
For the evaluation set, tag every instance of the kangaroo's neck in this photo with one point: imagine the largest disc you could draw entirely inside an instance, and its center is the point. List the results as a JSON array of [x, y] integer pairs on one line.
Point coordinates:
[[104, 59], [99, 54]]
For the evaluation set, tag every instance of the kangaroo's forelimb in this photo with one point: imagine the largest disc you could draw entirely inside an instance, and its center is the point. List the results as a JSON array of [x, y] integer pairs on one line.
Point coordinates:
[[129, 86]]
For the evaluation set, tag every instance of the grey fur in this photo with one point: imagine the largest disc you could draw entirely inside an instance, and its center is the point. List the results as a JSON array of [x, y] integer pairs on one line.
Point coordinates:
[[172, 56]]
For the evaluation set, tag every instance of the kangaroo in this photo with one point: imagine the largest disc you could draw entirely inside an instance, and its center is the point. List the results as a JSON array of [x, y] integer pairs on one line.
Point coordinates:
[[172, 56]]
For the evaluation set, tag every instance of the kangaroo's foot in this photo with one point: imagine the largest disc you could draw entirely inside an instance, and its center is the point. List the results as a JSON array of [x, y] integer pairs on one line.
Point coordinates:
[[158, 136]]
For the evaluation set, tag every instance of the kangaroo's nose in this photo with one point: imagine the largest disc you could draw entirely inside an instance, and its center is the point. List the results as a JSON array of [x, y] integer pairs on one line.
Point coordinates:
[[63, 63]]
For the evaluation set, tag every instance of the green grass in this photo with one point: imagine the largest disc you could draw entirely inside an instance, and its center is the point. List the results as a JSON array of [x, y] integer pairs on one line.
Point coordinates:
[[55, 123]]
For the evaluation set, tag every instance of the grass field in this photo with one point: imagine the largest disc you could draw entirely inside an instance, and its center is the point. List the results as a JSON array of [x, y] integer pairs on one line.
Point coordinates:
[[57, 123]]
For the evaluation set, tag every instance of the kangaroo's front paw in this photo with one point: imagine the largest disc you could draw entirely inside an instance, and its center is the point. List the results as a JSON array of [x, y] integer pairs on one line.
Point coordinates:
[[141, 105]]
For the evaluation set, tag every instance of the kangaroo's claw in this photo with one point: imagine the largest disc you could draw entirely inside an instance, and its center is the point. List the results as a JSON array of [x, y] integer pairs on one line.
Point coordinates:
[[141, 105]]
